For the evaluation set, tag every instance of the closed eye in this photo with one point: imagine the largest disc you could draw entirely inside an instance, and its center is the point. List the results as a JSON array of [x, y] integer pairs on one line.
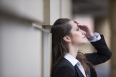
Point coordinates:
[[77, 29]]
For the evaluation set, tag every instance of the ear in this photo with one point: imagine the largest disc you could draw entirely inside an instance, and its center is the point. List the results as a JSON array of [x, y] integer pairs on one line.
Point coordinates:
[[67, 38]]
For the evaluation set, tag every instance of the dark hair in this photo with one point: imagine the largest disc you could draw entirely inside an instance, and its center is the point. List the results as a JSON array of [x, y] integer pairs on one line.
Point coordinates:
[[60, 28]]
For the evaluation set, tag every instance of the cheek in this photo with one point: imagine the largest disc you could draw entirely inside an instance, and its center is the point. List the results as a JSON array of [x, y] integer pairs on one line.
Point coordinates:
[[77, 37]]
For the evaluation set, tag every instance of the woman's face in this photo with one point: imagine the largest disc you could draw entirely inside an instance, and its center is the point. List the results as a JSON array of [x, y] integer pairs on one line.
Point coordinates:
[[78, 36]]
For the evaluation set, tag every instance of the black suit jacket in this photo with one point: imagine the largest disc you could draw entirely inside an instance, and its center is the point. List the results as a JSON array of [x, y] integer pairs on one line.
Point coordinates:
[[65, 69]]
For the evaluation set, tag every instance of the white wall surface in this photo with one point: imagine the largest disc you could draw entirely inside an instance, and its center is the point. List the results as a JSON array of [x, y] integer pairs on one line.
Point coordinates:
[[30, 9], [54, 10], [60, 9], [66, 9], [20, 48]]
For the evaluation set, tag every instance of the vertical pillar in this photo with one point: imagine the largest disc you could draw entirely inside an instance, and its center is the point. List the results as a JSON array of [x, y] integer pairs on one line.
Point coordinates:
[[46, 41], [102, 26], [113, 36]]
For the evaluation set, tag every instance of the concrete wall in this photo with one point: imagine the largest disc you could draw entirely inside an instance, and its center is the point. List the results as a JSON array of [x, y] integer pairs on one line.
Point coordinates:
[[60, 9], [20, 48], [25, 50], [29, 9]]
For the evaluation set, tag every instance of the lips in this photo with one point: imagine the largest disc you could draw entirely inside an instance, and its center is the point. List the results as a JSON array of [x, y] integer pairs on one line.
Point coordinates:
[[84, 37]]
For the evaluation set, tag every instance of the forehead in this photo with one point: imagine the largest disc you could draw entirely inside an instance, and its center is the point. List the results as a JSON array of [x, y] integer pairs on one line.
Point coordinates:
[[73, 24]]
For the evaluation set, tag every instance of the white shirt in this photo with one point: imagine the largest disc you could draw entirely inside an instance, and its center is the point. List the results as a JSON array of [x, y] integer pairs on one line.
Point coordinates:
[[96, 37], [74, 61]]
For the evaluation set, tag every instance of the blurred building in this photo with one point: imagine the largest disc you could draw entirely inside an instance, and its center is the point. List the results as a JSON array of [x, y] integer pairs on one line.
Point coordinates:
[[97, 11], [103, 13], [25, 41]]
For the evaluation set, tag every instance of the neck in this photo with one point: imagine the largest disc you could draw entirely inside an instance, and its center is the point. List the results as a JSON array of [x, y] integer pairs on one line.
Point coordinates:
[[73, 50]]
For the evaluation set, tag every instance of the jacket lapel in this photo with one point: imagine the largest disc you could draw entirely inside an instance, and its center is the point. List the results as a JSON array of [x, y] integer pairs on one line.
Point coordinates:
[[78, 72]]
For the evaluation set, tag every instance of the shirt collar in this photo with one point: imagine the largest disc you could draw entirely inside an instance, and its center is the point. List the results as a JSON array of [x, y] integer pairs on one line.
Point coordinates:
[[71, 59]]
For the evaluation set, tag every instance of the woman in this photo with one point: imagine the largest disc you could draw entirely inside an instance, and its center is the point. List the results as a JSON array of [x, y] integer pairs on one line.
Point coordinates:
[[67, 61]]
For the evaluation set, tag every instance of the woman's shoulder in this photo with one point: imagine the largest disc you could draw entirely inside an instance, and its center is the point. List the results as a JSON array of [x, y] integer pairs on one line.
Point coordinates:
[[64, 63], [63, 69]]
